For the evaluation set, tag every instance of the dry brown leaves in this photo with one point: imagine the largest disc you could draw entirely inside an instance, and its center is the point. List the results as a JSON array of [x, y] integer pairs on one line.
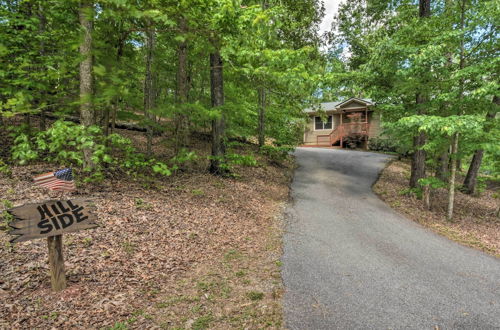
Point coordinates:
[[197, 251], [474, 224]]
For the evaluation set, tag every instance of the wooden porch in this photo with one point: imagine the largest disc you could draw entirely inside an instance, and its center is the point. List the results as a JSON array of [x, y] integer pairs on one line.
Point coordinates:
[[358, 126]]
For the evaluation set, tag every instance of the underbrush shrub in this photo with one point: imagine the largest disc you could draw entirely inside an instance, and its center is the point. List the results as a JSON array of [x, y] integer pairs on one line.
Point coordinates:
[[276, 155], [4, 168], [354, 141], [228, 162], [427, 188], [183, 160], [63, 144], [241, 160], [388, 145]]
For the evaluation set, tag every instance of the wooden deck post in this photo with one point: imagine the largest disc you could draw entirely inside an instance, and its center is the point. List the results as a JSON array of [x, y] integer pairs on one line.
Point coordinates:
[[342, 132]]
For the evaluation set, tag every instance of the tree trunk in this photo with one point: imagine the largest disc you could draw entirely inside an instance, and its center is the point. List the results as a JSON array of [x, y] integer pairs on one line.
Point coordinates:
[[262, 116], [41, 30], [181, 120], [117, 99], [218, 124], [149, 90], [470, 181], [442, 172], [113, 118], [418, 158], [86, 112], [424, 9], [427, 197], [105, 123], [453, 171], [454, 143]]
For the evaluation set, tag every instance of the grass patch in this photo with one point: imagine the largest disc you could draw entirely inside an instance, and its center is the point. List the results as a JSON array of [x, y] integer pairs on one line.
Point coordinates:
[[119, 326], [255, 295], [140, 204], [202, 322], [128, 247], [232, 255], [177, 300], [240, 273], [197, 192]]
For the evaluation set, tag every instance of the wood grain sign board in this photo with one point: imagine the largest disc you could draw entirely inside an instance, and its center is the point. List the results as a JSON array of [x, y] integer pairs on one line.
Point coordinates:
[[51, 218]]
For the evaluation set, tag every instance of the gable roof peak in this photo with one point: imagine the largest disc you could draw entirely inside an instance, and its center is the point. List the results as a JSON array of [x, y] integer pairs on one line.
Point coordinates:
[[355, 99]]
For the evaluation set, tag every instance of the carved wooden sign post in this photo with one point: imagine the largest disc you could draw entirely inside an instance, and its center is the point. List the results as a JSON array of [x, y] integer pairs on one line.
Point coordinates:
[[51, 219]]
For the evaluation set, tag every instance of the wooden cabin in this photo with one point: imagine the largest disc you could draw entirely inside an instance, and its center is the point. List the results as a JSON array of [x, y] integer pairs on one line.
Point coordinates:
[[346, 121]]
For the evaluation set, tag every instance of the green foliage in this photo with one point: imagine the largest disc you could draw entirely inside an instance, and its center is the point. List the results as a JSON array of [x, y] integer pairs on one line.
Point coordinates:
[[162, 169], [254, 295], [433, 76], [63, 144], [230, 160], [183, 159], [432, 182], [274, 47], [417, 192], [233, 159], [482, 183], [6, 216], [380, 144], [4, 168], [275, 154], [119, 326], [202, 322], [388, 145], [22, 151]]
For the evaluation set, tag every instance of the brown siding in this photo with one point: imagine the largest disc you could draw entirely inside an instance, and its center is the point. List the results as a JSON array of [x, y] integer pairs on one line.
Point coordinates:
[[375, 129], [310, 135]]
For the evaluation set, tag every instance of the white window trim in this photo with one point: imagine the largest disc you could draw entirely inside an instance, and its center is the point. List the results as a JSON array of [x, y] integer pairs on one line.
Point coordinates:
[[323, 129]]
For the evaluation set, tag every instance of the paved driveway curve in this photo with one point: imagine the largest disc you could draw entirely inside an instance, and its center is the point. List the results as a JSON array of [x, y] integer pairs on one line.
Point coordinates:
[[350, 262]]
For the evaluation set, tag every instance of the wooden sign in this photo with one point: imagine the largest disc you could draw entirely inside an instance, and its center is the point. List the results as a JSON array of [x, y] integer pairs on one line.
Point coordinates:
[[51, 218]]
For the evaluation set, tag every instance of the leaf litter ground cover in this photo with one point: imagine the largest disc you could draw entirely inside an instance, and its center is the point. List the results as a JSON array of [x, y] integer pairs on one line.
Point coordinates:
[[475, 222], [196, 251]]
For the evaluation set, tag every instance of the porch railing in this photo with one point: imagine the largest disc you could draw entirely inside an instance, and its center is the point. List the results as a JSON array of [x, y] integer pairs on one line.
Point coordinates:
[[341, 131]]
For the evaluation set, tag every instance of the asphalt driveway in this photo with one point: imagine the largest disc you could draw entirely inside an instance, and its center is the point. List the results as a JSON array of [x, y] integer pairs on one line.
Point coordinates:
[[350, 262]]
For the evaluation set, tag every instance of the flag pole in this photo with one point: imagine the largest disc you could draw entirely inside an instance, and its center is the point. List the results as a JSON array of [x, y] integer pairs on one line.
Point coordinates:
[[56, 261]]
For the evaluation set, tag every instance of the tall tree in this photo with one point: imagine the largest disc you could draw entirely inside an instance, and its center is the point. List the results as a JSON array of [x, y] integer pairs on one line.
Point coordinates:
[[149, 86], [86, 15], [456, 135], [218, 123], [470, 182], [182, 91], [261, 91], [418, 157], [262, 117]]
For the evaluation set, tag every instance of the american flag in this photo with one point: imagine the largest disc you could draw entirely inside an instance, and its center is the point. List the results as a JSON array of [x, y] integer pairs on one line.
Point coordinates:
[[61, 180]]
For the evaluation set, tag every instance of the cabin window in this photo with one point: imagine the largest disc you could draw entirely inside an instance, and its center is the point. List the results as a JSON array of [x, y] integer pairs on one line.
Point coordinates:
[[319, 124]]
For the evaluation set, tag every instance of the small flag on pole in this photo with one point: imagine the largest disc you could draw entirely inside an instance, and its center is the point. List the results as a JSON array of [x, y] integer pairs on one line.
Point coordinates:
[[61, 180]]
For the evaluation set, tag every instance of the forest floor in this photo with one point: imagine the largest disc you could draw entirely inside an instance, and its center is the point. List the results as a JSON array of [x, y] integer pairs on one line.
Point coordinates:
[[190, 251], [475, 223]]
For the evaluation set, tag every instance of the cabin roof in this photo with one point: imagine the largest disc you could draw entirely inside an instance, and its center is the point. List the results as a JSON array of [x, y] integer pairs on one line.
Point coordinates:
[[332, 106]]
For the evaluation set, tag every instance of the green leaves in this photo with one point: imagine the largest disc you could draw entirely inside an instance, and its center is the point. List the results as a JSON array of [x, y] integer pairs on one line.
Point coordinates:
[[432, 182], [23, 151], [63, 144], [468, 124]]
